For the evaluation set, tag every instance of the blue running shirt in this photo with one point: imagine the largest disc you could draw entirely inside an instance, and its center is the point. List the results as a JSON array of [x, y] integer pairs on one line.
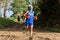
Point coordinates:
[[31, 14]]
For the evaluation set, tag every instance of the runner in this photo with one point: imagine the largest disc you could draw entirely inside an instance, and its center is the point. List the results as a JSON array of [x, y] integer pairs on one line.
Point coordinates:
[[29, 19], [18, 18]]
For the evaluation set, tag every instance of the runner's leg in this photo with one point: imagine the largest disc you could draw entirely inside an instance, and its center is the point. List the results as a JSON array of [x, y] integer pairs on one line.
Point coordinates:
[[31, 30]]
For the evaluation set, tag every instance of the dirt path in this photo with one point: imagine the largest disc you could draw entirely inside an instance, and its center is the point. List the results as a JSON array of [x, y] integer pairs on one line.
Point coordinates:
[[16, 33]]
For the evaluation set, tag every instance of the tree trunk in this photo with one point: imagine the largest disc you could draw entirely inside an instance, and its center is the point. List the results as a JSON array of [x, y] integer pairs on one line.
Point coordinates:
[[5, 8]]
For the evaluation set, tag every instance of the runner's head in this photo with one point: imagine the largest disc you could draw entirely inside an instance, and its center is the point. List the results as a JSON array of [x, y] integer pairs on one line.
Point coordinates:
[[30, 7]]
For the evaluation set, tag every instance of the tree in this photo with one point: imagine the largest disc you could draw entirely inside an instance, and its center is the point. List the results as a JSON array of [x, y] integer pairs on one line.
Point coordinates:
[[50, 11], [1, 3], [5, 8], [18, 6], [37, 5]]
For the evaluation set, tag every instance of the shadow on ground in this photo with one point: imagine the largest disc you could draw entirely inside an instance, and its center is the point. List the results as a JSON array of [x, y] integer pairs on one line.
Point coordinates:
[[21, 27]]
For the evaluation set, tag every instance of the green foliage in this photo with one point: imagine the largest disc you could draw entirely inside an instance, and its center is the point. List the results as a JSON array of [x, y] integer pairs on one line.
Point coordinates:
[[1, 0], [37, 5], [4, 22], [16, 20], [18, 6], [49, 12]]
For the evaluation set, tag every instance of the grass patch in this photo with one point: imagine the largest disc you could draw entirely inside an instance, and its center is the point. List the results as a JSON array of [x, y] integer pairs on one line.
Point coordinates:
[[4, 22], [16, 20]]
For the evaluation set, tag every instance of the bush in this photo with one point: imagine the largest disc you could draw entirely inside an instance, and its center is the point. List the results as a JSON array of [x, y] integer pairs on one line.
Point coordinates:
[[4, 22]]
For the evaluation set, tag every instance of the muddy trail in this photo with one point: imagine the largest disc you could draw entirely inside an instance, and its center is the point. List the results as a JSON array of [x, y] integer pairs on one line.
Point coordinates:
[[17, 32]]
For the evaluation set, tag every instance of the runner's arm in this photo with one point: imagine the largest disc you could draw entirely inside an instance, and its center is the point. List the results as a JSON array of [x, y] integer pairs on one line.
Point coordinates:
[[25, 13]]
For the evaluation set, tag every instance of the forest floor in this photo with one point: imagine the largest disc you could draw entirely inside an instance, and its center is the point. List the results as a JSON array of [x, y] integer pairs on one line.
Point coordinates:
[[16, 32]]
